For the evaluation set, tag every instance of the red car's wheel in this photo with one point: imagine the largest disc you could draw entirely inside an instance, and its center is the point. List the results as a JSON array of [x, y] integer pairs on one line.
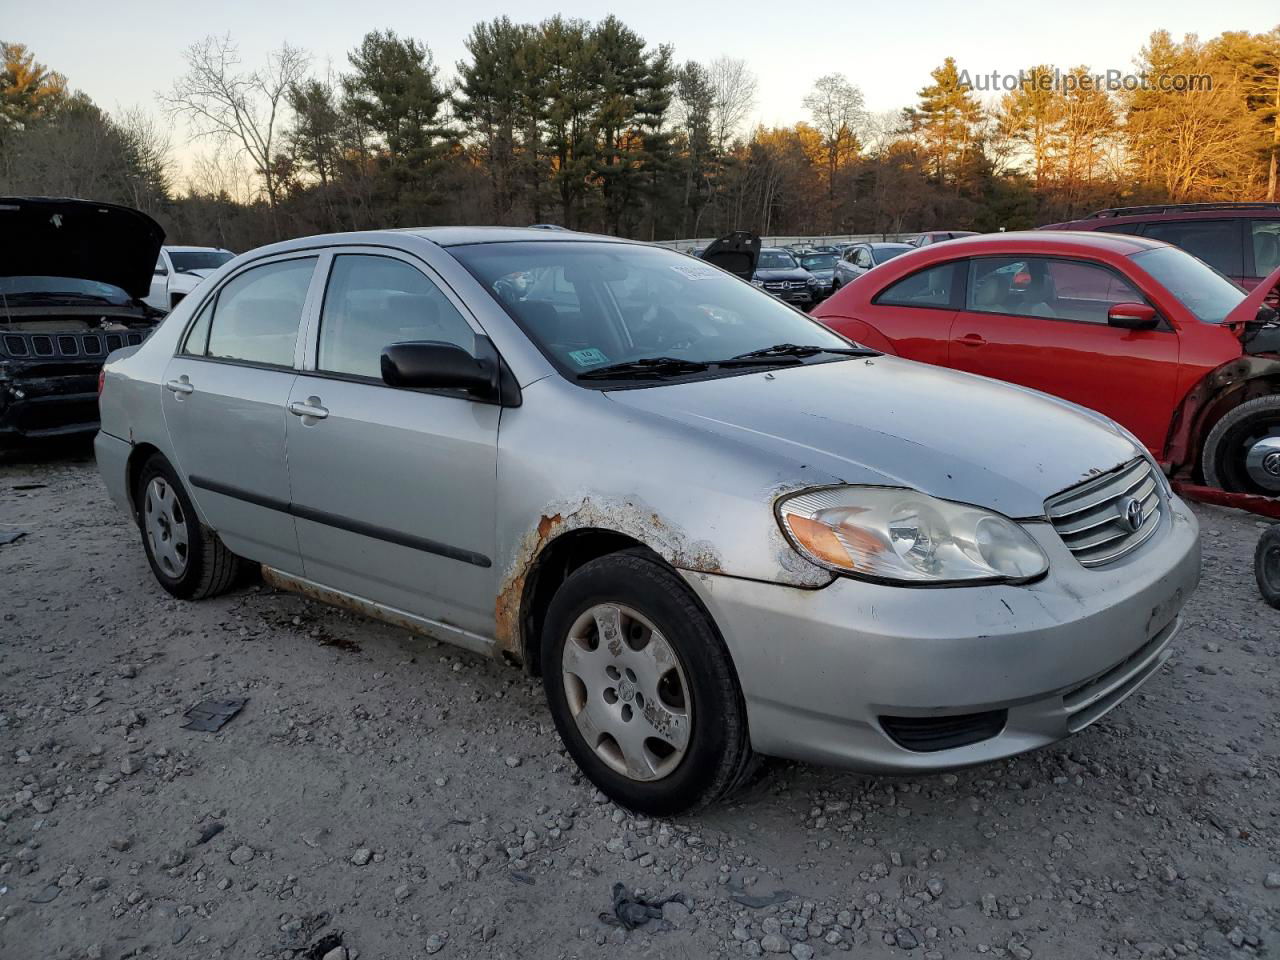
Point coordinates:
[[1242, 451]]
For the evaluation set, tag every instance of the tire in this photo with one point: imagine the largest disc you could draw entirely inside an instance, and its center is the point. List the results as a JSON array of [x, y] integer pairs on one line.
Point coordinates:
[[1266, 566], [654, 607], [1228, 444], [186, 557]]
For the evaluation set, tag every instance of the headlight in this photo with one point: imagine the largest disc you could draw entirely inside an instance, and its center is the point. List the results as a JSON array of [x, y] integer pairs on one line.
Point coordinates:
[[901, 536]]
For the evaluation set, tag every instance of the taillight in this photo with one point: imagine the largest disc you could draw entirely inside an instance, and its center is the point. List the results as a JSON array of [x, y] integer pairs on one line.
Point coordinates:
[[102, 379]]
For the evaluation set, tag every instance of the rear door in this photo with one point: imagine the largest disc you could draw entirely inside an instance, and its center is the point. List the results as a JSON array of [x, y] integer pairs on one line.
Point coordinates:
[[1042, 322], [393, 489], [224, 404]]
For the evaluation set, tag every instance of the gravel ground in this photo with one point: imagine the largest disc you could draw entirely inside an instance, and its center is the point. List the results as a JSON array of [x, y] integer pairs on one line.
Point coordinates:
[[385, 796]]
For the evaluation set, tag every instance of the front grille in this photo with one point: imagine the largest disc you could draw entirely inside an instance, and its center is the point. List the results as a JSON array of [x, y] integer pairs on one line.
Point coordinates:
[[1094, 518], [930, 734], [68, 344]]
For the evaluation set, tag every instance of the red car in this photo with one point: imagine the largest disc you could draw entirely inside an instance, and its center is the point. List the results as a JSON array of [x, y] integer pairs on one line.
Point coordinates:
[[1134, 328]]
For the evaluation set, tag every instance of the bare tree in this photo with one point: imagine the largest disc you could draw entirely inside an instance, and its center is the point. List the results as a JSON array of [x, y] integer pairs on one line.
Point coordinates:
[[231, 105], [733, 86], [836, 107]]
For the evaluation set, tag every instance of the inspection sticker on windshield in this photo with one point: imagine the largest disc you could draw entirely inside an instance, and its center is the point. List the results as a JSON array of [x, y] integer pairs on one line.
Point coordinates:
[[695, 273], [588, 357]]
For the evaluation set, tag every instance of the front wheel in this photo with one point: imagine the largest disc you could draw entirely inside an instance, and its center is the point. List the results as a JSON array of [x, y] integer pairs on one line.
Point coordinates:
[[1242, 451], [1266, 566], [641, 687]]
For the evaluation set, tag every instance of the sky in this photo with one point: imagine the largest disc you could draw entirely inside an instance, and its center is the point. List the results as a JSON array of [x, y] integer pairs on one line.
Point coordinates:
[[122, 52]]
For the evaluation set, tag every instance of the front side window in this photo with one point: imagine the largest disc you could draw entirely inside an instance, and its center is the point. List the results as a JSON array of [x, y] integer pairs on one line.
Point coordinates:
[[1208, 295], [257, 313], [372, 302], [862, 258], [588, 305], [1042, 287], [934, 287], [1216, 242], [1265, 235]]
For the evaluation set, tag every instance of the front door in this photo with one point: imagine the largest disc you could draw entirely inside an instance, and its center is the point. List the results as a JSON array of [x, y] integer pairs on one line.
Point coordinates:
[[1042, 322], [393, 489], [225, 394]]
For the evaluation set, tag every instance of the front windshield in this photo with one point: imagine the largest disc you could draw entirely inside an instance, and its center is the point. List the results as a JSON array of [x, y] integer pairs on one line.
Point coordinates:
[[881, 254], [1201, 289], [588, 305], [184, 260], [818, 261], [775, 260], [71, 286]]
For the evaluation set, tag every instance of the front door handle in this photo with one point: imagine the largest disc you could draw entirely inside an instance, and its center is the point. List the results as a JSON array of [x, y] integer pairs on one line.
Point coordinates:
[[973, 340], [182, 386], [310, 409]]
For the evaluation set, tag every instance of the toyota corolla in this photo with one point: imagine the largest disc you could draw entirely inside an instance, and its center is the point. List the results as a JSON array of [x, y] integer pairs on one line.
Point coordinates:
[[713, 527]]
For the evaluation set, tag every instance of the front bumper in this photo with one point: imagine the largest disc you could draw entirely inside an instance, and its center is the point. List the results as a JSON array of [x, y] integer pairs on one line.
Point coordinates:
[[820, 669], [55, 401]]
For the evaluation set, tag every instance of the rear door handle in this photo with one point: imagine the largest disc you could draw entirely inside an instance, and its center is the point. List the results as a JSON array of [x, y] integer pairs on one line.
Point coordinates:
[[182, 386], [310, 409], [973, 340]]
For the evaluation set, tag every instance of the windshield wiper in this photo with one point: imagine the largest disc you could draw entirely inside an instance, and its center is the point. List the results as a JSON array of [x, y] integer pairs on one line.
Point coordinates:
[[796, 350], [644, 367]]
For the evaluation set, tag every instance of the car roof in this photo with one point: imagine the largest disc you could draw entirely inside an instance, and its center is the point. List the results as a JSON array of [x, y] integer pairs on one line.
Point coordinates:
[[886, 243], [456, 236], [1050, 241], [181, 249]]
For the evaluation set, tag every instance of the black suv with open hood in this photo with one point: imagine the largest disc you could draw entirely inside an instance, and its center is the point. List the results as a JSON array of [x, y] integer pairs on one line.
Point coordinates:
[[72, 277]]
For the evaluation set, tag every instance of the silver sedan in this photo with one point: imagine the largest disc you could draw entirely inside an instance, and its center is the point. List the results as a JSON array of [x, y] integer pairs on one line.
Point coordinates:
[[714, 528]]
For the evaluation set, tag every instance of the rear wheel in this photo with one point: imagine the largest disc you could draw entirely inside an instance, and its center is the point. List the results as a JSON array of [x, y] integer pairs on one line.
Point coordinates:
[[1266, 566], [186, 557], [1242, 451], [641, 687]]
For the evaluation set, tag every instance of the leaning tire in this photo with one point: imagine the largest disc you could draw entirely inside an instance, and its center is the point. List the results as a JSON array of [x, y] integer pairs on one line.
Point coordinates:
[[1226, 449], [641, 687], [186, 557], [1266, 566]]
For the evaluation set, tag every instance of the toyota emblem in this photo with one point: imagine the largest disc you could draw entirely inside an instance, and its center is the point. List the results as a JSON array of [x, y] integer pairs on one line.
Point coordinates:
[[1131, 513]]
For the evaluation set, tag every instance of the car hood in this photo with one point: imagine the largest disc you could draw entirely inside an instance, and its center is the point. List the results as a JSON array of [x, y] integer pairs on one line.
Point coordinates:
[[782, 273], [886, 421], [81, 239]]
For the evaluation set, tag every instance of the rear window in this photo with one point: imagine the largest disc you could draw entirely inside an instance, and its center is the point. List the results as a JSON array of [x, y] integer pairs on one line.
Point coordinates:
[[1207, 294]]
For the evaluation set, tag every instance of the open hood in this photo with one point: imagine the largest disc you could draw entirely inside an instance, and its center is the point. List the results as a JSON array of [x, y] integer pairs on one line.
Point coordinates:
[[1253, 322], [82, 239], [736, 252]]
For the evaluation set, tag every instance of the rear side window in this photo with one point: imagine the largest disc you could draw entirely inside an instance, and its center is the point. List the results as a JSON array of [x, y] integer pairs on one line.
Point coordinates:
[[934, 287], [1265, 236], [257, 314], [373, 302], [1216, 242]]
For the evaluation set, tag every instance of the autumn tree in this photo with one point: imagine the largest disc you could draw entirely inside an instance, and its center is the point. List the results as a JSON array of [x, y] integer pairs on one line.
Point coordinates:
[[946, 120], [836, 108], [29, 91]]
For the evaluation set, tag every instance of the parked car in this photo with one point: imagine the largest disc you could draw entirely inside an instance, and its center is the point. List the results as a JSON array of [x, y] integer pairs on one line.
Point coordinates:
[[1134, 328], [780, 274], [939, 236], [861, 257], [737, 252], [1239, 240], [822, 265], [179, 269], [704, 519], [72, 275]]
